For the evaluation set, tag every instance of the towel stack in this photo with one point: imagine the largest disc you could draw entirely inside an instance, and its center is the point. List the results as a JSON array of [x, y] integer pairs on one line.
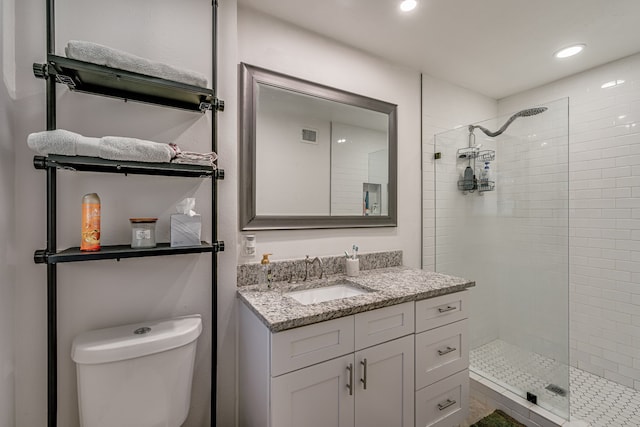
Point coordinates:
[[66, 143], [114, 58]]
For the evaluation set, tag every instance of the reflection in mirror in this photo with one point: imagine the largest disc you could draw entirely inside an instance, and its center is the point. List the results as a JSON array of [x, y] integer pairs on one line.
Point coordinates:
[[313, 156], [359, 173]]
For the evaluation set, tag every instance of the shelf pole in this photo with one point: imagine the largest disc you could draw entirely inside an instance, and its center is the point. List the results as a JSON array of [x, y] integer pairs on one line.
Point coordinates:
[[214, 214], [52, 317]]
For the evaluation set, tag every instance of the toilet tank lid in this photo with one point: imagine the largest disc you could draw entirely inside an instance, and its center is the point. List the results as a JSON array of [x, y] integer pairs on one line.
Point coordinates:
[[136, 340]]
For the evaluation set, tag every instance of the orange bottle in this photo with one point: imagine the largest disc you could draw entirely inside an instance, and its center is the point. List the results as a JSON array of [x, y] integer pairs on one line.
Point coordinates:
[[90, 223]]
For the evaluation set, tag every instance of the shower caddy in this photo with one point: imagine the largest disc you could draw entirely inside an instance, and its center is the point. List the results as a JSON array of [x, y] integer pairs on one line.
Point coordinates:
[[90, 78], [471, 154]]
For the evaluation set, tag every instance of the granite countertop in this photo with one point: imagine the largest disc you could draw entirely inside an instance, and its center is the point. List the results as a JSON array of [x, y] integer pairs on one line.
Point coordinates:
[[389, 286]]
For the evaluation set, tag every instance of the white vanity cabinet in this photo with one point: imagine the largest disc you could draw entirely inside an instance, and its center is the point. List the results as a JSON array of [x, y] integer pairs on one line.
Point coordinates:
[[354, 371]]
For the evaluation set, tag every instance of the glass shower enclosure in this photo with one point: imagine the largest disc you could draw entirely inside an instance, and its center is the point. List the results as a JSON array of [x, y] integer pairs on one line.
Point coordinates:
[[501, 219]]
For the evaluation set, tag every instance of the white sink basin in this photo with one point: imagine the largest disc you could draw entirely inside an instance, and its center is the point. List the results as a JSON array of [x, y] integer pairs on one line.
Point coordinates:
[[326, 293]]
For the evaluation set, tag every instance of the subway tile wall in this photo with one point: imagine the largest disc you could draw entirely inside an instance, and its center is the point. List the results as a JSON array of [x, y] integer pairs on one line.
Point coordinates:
[[604, 226], [513, 240], [444, 107]]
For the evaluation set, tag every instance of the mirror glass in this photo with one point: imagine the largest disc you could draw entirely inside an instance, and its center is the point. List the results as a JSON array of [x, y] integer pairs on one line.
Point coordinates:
[[313, 156]]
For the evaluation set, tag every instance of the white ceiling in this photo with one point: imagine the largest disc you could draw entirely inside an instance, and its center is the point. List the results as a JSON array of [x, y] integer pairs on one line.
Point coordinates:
[[494, 47]]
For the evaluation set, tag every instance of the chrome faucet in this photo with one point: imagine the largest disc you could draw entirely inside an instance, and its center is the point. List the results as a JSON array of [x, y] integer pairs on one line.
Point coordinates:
[[308, 261]]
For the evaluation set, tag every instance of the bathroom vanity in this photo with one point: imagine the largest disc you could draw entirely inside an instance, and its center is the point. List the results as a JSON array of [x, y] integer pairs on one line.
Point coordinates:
[[394, 355]]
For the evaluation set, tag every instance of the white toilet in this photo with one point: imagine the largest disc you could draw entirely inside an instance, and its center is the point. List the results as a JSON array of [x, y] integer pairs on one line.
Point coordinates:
[[136, 375]]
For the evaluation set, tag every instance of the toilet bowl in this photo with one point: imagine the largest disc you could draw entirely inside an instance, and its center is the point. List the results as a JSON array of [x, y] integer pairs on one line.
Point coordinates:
[[136, 375]]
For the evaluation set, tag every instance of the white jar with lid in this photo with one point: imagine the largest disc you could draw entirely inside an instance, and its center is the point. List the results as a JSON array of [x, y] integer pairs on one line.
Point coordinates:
[[143, 232]]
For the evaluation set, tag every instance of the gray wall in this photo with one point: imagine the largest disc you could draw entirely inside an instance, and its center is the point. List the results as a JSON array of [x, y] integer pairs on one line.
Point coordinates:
[[7, 236]]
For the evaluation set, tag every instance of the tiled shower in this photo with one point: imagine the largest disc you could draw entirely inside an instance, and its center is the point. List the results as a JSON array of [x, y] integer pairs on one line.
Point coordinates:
[[565, 283]]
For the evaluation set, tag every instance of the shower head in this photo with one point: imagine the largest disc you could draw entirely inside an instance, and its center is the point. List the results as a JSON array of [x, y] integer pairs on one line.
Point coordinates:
[[524, 113], [531, 112]]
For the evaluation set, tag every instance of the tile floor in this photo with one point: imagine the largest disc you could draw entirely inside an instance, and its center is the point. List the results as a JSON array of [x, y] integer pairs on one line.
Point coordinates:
[[598, 401]]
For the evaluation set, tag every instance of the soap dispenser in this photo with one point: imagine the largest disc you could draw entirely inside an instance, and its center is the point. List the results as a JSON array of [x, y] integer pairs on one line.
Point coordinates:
[[265, 272]]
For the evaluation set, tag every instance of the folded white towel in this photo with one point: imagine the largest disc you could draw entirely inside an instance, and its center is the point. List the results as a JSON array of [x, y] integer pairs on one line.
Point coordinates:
[[114, 58], [57, 141], [88, 146], [138, 150], [192, 158]]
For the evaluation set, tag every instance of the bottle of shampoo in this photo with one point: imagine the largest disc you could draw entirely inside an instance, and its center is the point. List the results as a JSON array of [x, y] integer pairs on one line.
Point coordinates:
[[90, 240], [486, 174]]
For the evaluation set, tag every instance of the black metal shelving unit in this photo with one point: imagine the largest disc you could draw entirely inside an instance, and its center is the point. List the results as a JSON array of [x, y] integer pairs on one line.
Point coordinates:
[[94, 79], [96, 164], [80, 76], [119, 252]]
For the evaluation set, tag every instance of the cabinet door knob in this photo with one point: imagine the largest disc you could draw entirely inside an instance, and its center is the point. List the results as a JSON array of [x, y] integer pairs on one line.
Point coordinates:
[[363, 380], [350, 379]]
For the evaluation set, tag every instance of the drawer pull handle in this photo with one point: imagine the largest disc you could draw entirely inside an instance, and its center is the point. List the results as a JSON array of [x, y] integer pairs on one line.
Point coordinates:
[[444, 405], [363, 380], [350, 379], [446, 351], [447, 308]]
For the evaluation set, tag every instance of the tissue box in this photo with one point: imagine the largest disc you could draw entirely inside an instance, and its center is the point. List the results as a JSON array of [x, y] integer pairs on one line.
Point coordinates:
[[185, 230]]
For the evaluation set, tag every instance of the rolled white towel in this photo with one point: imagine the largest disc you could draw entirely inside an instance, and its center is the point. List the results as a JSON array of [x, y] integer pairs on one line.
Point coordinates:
[[88, 146], [133, 149], [57, 141], [114, 58]]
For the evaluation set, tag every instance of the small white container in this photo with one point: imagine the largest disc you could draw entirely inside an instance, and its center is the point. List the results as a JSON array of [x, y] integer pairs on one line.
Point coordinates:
[[143, 232], [353, 267]]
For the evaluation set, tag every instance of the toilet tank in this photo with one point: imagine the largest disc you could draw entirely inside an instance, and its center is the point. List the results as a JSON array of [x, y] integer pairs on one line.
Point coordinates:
[[136, 375]]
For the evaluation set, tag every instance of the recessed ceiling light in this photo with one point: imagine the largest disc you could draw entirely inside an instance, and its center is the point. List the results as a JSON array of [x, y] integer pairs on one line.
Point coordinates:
[[408, 5], [569, 51], [612, 83]]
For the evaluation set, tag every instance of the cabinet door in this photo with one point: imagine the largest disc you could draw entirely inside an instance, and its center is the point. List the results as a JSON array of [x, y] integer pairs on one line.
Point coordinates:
[[388, 399], [316, 396]]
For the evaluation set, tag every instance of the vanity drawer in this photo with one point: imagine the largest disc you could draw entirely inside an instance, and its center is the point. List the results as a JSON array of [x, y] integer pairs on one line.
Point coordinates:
[[434, 312], [296, 348], [384, 324], [441, 352], [445, 403]]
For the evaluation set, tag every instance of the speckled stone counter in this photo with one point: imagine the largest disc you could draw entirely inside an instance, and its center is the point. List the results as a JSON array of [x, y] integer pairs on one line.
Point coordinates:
[[388, 286]]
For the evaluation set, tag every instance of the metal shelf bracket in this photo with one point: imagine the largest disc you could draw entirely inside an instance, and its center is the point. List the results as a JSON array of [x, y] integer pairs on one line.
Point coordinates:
[[218, 246], [41, 71], [217, 105], [205, 106], [66, 80], [40, 256]]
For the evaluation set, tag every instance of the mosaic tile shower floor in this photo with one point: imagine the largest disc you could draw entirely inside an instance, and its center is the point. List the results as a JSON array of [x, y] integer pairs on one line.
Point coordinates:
[[596, 400]]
